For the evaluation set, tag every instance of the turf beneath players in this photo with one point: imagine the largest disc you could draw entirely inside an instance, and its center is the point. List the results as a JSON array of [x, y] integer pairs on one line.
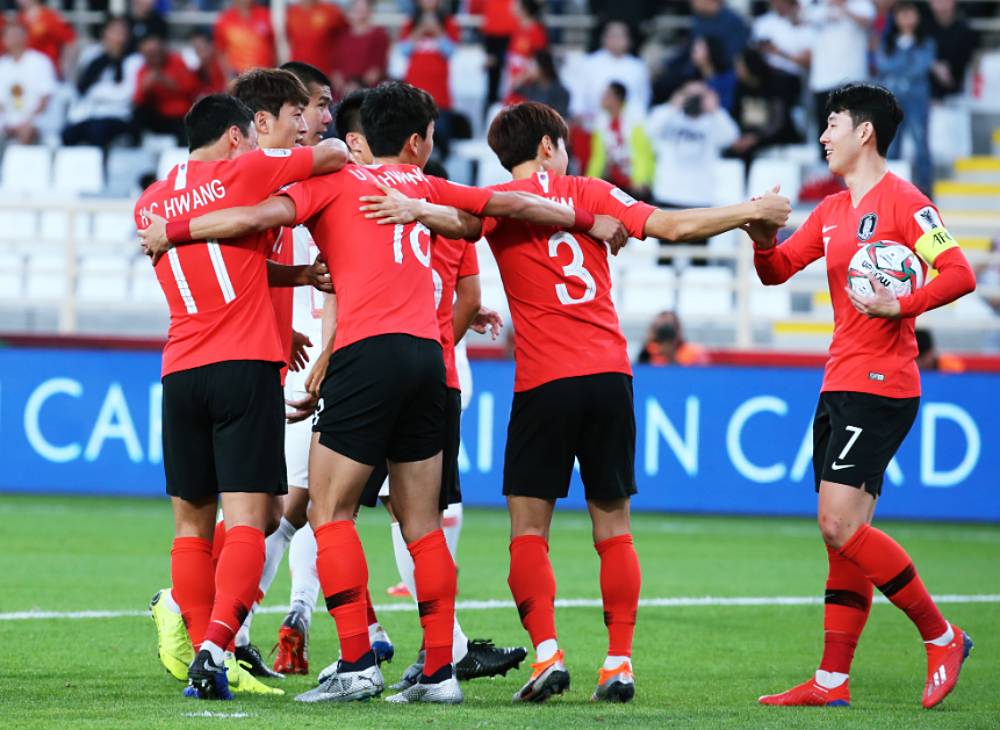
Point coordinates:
[[698, 666]]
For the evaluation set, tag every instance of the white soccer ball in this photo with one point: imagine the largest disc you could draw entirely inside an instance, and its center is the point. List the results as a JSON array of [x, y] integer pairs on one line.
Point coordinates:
[[893, 265]]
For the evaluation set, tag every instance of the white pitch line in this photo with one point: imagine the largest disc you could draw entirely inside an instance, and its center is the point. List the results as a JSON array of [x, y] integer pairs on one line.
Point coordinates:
[[679, 602]]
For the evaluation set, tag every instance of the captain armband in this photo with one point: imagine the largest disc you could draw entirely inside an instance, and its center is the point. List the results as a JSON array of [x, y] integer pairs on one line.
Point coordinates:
[[933, 243]]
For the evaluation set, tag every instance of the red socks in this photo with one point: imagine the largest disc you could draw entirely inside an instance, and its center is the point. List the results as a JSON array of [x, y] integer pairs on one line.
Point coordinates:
[[887, 565], [620, 582], [437, 582], [193, 577], [848, 602], [218, 540], [533, 585], [236, 582], [343, 573], [370, 608]]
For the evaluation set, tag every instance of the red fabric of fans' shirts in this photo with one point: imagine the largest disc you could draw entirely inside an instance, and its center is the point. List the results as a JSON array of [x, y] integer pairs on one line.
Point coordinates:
[[428, 69], [867, 355], [558, 284], [524, 44], [174, 98], [245, 41], [451, 260], [218, 295], [283, 252], [355, 54], [313, 32], [381, 273], [48, 32], [498, 17]]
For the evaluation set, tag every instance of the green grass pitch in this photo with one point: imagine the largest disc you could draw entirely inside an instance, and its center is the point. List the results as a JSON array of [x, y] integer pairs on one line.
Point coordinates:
[[697, 666]]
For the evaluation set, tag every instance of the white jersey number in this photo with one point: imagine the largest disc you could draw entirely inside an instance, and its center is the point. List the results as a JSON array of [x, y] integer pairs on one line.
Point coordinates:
[[574, 268], [423, 256]]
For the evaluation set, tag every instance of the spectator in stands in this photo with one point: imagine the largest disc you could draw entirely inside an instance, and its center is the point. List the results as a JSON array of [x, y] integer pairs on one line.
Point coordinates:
[[527, 40], [313, 28], [499, 24], [105, 86], [665, 344], [612, 62], [955, 42], [688, 135], [427, 40], [541, 83], [785, 42], [165, 90], [714, 19], [48, 33], [361, 55], [904, 62], [244, 37], [701, 58], [27, 82], [203, 60], [839, 48], [143, 20], [620, 151], [763, 107], [928, 358]]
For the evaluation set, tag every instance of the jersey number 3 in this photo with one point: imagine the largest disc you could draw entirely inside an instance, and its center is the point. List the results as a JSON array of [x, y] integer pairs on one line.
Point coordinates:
[[573, 269]]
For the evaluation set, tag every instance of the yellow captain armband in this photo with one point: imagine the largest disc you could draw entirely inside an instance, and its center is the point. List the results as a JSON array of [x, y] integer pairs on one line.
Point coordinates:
[[933, 243]]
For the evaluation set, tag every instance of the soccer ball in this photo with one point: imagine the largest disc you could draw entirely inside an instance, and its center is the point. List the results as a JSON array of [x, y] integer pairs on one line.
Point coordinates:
[[893, 265]]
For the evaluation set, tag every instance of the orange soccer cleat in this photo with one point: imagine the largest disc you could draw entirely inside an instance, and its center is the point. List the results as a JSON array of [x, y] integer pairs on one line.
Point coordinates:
[[399, 590], [943, 666], [810, 694], [292, 646], [547, 678]]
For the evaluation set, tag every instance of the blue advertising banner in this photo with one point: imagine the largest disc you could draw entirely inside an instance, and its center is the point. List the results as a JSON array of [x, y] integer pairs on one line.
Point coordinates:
[[720, 439]]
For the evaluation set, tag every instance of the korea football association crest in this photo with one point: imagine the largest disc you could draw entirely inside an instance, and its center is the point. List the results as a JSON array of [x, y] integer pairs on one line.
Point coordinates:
[[866, 226]]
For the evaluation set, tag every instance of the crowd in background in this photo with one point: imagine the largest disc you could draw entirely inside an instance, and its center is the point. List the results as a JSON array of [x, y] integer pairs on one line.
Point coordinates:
[[653, 123]]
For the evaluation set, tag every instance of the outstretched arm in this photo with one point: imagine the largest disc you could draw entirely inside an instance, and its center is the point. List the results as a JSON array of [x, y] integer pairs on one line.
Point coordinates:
[[541, 211], [393, 207]]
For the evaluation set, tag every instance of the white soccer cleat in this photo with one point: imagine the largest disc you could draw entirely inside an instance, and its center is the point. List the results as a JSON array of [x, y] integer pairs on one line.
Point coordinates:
[[445, 692], [347, 686]]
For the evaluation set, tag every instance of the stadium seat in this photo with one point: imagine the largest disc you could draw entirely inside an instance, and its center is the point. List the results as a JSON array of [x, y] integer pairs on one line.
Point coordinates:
[[26, 168], [467, 80], [489, 171], [646, 292], [143, 287], [102, 278], [950, 132], [769, 302], [125, 166], [901, 168], [46, 276], [112, 227], [729, 182], [766, 173], [169, 158], [55, 226], [11, 276], [19, 224], [78, 170], [705, 290]]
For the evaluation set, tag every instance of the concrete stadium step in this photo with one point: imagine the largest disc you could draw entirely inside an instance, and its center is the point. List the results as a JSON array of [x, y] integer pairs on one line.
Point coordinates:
[[981, 169], [974, 196], [970, 224]]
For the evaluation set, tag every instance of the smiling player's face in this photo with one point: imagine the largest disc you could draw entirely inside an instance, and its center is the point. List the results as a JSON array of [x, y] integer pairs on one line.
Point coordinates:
[[289, 128], [842, 141]]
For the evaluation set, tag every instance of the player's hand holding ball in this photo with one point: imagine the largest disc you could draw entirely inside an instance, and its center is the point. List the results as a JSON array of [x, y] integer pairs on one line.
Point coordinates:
[[878, 274]]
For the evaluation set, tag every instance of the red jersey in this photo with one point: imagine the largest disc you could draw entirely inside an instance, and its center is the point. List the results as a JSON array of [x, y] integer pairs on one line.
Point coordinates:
[[451, 260], [245, 41], [869, 355], [48, 32], [428, 68], [381, 273], [558, 284], [218, 295], [313, 32], [171, 100], [283, 252]]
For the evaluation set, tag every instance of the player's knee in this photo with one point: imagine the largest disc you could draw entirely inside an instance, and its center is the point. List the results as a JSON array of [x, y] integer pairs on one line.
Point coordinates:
[[834, 529]]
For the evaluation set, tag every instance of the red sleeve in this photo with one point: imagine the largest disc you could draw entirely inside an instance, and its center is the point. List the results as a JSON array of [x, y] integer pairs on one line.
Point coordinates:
[[468, 265], [472, 200], [219, 33], [539, 39], [311, 196], [777, 264], [62, 29], [955, 279], [603, 198], [185, 77], [275, 168]]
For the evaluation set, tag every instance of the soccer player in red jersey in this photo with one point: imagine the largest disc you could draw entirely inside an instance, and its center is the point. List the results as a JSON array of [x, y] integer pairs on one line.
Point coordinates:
[[220, 368], [871, 386], [572, 383], [383, 397]]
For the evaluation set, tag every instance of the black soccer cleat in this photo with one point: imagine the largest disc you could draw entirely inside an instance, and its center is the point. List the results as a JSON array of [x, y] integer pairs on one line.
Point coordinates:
[[484, 659], [206, 681], [249, 658]]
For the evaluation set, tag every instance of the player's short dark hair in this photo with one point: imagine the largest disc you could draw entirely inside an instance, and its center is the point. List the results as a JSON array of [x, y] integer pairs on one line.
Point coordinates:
[[435, 169], [392, 112], [517, 131], [212, 115], [347, 115], [618, 89], [269, 89], [306, 73], [865, 102]]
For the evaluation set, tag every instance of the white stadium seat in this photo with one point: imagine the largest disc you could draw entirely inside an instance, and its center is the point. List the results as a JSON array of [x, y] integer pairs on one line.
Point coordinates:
[[78, 170], [705, 290], [646, 292], [125, 166], [55, 226], [19, 224], [102, 278], [901, 168], [111, 227], [11, 276], [729, 184], [144, 287], [169, 159], [766, 173], [46, 279], [26, 168], [769, 302]]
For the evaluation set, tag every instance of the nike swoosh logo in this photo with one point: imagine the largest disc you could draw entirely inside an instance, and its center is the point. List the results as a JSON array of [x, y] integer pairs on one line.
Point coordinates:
[[829, 228], [837, 467]]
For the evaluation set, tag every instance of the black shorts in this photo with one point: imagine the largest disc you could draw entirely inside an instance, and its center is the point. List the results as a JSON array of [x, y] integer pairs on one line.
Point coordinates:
[[223, 430], [383, 398], [588, 418], [855, 436], [451, 491]]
